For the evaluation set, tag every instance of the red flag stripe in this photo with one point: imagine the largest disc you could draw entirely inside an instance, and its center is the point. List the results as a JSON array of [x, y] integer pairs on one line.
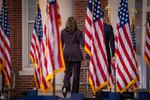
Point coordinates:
[[37, 78], [148, 46], [128, 38], [126, 50], [5, 40], [100, 43], [5, 57]]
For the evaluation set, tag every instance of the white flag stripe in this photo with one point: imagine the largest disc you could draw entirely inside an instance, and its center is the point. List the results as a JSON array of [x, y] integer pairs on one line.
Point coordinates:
[[101, 37], [5, 49], [120, 81], [50, 34], [88, 40], [128, 51], [147, 51], [98, 73], [89, 14], [121, 67], [91, 69], [131, 49], [93, 76], [100, 56], [55, 43], [88, 27], [148, 40]]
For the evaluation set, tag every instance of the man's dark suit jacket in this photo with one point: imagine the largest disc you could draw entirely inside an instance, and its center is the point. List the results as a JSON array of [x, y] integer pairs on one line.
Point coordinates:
[[71, 45], [109, 40]]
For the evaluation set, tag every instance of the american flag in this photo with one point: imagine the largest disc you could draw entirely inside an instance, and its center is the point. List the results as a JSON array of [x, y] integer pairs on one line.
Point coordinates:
[[95, 46], [5, 51], [52, 60], [35, 50], [127, 72], [147, 42], [46, 51]]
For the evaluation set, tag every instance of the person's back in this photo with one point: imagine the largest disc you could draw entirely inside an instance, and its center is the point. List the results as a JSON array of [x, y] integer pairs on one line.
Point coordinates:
[[72, 38], [71, 42]]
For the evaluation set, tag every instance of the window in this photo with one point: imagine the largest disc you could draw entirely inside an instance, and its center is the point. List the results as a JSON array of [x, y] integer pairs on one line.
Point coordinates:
[[28, 15]]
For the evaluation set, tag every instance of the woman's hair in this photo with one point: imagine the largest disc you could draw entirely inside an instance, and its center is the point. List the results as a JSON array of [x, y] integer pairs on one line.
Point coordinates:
[[71, 25]]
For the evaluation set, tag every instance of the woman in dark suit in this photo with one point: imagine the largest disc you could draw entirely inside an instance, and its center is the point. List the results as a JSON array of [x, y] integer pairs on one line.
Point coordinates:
[[72, 38]]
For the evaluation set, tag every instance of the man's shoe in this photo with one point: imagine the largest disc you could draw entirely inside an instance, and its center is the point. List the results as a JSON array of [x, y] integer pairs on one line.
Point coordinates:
[[64, 91]]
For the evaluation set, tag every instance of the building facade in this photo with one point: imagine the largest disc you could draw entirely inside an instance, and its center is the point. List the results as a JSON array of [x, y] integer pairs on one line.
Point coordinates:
[[21, 17]]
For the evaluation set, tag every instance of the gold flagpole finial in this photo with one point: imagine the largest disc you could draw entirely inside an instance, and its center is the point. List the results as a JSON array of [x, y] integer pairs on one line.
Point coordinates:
[[134, 12], [108, 9]]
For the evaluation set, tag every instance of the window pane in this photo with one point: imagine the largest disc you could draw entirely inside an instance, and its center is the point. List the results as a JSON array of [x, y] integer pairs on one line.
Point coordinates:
[[31, 2], [31, 13], [31, 9], [30, 31]]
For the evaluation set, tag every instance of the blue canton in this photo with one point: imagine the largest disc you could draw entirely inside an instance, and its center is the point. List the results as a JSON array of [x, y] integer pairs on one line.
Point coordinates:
[[6, 25], [123, 12], [97, 10], [90, 5], [38, 24]]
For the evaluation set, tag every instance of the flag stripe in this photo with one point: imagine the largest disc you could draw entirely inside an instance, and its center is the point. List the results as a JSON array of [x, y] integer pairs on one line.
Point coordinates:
[[128, 38], [102, 43]]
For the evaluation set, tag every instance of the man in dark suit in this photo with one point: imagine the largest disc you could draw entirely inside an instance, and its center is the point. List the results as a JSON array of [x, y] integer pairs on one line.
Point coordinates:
[[72, 38], [110, 45]]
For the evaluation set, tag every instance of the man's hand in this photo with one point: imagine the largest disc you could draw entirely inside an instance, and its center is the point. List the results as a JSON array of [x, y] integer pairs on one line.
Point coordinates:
[[113, 60]]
